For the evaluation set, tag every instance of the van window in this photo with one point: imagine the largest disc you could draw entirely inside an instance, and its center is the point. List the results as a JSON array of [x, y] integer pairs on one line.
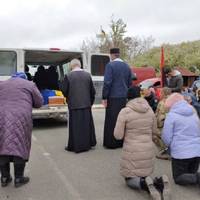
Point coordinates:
[[98, 63], [156, 84], [8, 63]]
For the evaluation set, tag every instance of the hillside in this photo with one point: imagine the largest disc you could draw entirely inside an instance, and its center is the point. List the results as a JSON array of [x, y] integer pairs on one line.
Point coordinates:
[[186, 54]]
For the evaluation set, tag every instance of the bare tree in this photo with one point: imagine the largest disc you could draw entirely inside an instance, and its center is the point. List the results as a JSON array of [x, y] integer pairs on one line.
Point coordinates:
[[130, 46], [89, 46]]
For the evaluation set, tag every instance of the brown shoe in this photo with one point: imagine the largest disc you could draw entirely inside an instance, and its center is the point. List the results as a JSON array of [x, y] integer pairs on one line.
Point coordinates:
[[154, 193], [163, 157]]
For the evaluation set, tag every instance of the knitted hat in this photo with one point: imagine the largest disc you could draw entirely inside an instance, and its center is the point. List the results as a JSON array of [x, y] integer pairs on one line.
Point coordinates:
[[172, 99], [114, 50], [133, 92]]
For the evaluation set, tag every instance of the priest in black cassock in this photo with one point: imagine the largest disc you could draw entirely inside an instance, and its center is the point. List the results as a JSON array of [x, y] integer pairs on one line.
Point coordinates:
[[80, 94], [117, 80]]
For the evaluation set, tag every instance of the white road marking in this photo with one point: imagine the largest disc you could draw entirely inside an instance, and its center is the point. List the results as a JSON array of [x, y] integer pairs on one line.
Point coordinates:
[[46, 154], [71, 190]]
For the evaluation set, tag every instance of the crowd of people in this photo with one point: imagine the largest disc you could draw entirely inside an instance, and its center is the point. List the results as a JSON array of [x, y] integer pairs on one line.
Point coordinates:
[[134, 120], [44, 78]]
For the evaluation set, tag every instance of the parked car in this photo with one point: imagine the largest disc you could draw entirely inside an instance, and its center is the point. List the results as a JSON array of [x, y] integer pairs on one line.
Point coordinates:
[[154, 83], [143, 73]]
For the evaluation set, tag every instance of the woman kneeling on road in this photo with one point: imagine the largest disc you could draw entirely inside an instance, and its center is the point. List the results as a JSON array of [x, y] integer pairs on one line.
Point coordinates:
[[137, 124], [181, 133]]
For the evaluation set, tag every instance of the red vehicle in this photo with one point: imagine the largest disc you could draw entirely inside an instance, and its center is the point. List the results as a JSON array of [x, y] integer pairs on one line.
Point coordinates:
[[143, 73], [154, 83]]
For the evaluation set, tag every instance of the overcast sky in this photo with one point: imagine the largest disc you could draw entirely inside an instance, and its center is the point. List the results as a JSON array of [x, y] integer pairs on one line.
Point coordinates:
[[66, 23]]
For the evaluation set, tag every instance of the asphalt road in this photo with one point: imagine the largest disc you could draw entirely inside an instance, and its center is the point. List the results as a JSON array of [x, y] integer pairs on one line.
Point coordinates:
[[59, 175]]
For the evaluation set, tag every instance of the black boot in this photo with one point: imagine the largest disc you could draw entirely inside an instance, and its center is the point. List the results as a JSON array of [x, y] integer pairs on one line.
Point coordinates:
[[20, 179], [143, 184], [163, 186], [158, 182], [5, 175], [154, 193]]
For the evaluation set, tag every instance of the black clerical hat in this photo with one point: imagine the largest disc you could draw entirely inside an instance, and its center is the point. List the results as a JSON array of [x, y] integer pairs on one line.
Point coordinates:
[[114, 50]]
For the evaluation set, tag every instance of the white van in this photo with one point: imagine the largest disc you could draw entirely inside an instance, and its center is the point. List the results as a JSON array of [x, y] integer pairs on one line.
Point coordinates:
[[13, 60]]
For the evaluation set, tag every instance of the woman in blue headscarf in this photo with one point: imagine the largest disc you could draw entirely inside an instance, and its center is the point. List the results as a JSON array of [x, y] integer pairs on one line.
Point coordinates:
[[18, 96], [19, 75]]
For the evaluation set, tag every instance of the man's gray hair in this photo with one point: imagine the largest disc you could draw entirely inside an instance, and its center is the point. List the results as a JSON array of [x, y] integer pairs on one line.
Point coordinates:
[[75, 63]]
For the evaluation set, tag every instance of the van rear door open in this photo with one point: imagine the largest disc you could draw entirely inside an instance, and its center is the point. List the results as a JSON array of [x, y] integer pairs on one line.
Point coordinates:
[[59, 59], [14, 60]]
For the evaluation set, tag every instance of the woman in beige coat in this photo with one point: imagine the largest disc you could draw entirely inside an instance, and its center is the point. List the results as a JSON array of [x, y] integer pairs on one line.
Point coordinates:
[[136, 124]]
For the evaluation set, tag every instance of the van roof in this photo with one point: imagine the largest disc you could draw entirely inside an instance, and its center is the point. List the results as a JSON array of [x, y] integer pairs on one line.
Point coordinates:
[[43, 49]]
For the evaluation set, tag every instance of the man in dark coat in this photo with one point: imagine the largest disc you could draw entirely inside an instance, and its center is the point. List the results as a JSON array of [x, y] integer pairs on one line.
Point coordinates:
[[174, 79], [17, 97], [150, 96], [40, 78], [29, 77], [52, 78], [117, 80], [80, 93]]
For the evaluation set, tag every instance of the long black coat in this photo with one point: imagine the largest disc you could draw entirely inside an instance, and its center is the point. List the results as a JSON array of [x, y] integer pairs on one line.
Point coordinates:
[[80, 93], [79, 90]]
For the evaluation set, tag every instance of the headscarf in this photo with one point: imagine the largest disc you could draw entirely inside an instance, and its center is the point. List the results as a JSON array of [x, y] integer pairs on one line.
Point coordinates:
[[172, 99], [19, 75]]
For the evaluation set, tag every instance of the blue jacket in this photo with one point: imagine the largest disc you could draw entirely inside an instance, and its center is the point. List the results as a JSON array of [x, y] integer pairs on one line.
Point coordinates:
[[181, 131], [117, 79]]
